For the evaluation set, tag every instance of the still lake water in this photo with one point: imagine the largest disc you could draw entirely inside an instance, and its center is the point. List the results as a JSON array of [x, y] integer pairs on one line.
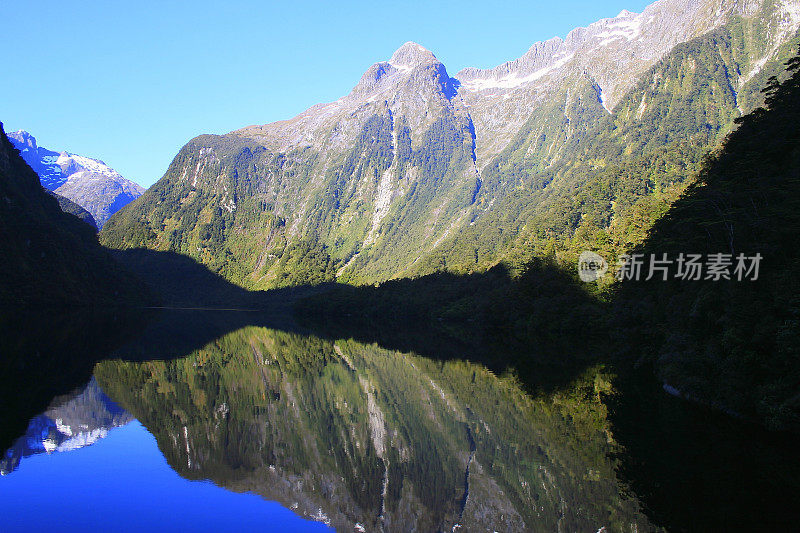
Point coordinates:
[[221, 422]]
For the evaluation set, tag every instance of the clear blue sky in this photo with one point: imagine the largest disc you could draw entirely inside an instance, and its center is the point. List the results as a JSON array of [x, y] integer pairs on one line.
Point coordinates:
[[131, 82]]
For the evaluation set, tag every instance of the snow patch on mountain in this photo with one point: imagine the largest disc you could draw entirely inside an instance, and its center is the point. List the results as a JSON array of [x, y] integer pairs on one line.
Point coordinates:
[[79, 163], [622, 27], [514, 80]]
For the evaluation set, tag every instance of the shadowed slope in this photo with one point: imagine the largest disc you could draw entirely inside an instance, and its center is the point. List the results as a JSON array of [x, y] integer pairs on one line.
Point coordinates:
[[49, 257]]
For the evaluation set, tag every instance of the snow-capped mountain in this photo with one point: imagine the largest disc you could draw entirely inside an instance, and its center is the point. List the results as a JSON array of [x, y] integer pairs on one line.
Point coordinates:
[[88, 182]]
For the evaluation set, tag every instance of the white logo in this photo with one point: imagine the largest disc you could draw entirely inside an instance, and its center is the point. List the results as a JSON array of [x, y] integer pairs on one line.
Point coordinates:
[[591, 267]]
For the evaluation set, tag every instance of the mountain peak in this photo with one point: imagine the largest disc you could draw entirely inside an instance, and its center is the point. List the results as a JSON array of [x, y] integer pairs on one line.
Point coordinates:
[[411, 55], [24, 138], [400, 73]]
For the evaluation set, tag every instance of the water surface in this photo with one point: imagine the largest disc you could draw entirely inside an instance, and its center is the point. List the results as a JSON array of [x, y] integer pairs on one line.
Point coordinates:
[[212, 421]]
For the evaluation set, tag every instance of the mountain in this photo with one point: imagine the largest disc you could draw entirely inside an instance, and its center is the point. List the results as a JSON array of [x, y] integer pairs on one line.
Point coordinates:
[[609, 56], [90, 183], [68, 424], [728, 341], [48, 256], [582, 140]]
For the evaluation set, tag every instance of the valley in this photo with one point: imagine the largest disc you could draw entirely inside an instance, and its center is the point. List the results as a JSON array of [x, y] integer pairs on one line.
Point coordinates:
[[379, 315]]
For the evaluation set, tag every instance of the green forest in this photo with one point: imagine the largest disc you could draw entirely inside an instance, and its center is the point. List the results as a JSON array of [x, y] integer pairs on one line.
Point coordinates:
[[574, 177]]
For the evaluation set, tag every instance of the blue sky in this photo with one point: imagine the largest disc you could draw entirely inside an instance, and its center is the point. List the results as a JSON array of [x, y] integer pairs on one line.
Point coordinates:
[[131, 82]]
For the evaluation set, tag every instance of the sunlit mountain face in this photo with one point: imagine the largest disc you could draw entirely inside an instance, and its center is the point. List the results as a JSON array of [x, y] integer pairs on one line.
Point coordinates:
[[419, 169]]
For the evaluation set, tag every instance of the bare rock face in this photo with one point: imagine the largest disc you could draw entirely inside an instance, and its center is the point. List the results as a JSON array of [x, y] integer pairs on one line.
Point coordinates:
[[90, 183]]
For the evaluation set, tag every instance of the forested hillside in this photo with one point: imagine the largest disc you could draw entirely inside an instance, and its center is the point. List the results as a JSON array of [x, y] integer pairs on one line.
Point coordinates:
[[68, 206], [416, 172], [729, 342], [628, 168]]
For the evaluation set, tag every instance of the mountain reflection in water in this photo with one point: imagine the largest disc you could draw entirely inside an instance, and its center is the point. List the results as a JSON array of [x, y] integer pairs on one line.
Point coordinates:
[[365, 438], [70, 423], [376, 437]]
